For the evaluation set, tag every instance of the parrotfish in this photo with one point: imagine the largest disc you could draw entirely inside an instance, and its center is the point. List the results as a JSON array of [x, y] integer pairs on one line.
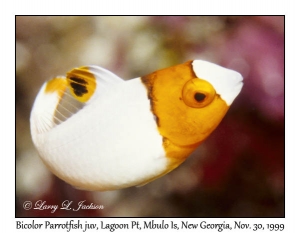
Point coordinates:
[[97, 131]]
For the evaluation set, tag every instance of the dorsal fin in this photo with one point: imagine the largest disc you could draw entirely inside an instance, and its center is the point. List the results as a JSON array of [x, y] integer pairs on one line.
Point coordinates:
[[62, 97], [84, 80]]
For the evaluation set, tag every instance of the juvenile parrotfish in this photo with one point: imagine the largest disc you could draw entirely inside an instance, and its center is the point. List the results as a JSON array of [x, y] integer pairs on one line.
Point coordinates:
[[96, 131]]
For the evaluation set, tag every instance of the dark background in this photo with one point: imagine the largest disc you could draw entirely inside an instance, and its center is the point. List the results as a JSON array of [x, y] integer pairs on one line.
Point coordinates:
[[237, 172]]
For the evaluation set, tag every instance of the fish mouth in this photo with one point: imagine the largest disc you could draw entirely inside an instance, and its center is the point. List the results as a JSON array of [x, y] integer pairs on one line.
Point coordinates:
[[237, 89], [239, 85], [232, 91]]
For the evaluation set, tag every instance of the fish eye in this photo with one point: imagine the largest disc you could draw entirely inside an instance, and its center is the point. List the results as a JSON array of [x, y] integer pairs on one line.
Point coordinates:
[[198, 93], [199, 96]]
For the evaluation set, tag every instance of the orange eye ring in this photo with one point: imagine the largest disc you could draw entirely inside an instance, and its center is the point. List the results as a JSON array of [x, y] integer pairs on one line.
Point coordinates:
[[198, 93]]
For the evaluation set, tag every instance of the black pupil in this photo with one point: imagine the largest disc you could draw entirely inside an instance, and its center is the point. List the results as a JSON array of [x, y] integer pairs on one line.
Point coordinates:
[[199, 97]]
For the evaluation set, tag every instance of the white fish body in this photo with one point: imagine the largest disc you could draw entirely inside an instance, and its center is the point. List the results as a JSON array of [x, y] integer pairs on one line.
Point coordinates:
[[115, 138]]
